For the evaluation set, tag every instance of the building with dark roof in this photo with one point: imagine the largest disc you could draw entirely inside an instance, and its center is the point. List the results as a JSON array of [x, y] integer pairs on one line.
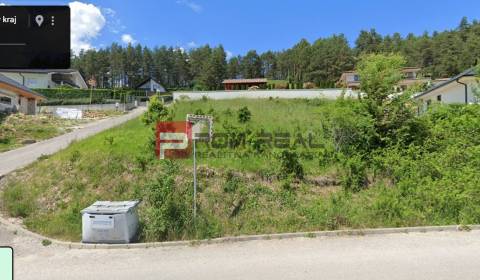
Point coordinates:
[[243, 84], [351, 79], [458, 89], [15, 97], [46, 78], [151, 86]]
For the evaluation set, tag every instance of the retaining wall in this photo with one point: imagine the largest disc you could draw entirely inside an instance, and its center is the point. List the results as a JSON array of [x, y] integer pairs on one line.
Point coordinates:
[[94, 107], [304, 93]]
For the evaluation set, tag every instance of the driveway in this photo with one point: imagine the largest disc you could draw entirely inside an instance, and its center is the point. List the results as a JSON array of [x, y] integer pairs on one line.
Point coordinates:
[[18, 158], [435, 255]]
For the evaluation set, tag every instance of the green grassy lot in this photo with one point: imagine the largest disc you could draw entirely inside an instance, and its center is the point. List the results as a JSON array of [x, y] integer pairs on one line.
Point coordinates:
[[281, 121], [429, 182]]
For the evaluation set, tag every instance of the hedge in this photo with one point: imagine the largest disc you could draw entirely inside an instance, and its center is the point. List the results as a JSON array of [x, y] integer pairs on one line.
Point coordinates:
[[73, 96], [73, 93]]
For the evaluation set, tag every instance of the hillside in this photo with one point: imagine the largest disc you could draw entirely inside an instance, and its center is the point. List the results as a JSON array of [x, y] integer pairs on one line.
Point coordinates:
[[431, 181]]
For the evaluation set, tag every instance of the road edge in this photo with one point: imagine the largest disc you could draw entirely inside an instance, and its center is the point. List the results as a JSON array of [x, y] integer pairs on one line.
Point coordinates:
[[242, 238]]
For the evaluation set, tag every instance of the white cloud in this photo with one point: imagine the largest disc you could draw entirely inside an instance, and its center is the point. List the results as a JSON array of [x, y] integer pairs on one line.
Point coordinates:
[[192, 45], [87, 21], [128, 39], [192, 5], [3, 4], [114, 24], [229, 54], [109, 11]]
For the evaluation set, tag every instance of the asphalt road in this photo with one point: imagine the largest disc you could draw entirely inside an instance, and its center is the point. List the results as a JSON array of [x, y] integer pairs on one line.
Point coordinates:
[[440, 255], [18, 158]]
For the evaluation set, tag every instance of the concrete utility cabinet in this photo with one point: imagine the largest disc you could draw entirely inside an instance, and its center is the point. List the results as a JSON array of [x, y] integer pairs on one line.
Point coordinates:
[[110, 222]]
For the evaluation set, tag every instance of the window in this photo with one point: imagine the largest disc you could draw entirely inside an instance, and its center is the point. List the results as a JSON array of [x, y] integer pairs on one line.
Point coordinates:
[[356, 78], [439, 97], [410, 75], [5, 100]]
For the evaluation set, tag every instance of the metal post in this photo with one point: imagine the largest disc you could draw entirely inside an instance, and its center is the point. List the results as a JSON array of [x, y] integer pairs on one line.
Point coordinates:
[[194, 180], [91, 96]]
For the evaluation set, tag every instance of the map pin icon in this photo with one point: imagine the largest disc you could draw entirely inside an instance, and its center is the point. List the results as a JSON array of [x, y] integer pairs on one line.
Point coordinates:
[[39, 20]]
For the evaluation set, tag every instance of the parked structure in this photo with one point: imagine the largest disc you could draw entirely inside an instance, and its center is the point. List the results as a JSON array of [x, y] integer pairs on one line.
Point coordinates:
[[46, 78], [244, 84], [459, 89], [151, 86], [351, 79], [15, 97]]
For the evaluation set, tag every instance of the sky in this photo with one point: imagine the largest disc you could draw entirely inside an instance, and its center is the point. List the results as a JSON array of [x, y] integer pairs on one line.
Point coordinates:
[[248, 24]]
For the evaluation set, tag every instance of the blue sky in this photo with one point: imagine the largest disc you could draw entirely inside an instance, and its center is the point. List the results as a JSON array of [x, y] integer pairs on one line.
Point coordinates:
[[261, 25]]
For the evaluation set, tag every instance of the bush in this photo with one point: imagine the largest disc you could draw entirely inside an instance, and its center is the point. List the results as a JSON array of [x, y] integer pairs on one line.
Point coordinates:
[[156, 111], [168, 213], [232, 182], [290, 165], [75, 96], [354, 177], [244, 115], [351, 132], [282, 85], [76, 93], [308, 85]]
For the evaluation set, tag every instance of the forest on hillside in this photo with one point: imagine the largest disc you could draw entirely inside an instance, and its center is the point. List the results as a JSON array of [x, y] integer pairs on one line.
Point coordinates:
[[440, 54]]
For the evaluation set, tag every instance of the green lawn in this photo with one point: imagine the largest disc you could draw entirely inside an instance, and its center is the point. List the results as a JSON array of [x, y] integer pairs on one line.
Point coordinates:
[[432, 182]]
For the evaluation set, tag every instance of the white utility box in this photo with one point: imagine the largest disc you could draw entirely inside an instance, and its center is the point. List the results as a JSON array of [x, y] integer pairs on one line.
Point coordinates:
[[110, 222]]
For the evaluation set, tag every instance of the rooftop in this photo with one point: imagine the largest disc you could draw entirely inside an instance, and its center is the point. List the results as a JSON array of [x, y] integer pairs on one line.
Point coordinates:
[[38, 71], [467, 73], [12, 83], [245, 81]]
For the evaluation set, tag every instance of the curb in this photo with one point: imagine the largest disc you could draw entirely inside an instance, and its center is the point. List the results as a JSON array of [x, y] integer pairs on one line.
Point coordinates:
[[243, 238]]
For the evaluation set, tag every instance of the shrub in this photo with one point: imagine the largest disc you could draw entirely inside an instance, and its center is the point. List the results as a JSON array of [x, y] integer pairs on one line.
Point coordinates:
[[308, 85], [351, 132], [282, 85], [256, 141], [236, 136], [354, 177], [244, 115], [198, 112], [290, 165], [232, 182], [167, 213], [156, 111]]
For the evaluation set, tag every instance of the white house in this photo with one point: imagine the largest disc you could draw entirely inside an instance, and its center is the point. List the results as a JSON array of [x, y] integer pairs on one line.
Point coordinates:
[[15, 97], [459, 89], [151, 86], [46, 78]]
